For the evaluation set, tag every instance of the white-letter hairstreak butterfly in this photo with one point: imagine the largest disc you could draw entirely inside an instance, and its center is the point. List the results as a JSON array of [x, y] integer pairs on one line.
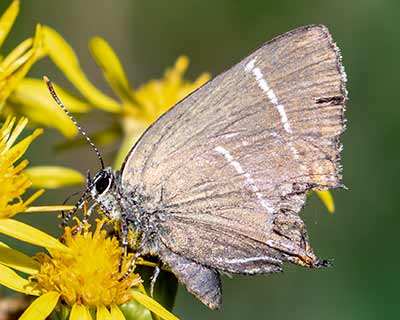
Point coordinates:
[[217, 182]]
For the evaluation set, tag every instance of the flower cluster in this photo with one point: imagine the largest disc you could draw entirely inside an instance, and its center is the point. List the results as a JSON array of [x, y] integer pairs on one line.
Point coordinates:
[[78, 276]]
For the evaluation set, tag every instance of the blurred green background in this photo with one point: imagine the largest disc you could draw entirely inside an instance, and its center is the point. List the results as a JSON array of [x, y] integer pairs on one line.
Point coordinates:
[[362, 237]]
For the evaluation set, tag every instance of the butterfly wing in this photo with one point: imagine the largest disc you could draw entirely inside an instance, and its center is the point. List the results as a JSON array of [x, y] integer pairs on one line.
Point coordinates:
[[231, 164]]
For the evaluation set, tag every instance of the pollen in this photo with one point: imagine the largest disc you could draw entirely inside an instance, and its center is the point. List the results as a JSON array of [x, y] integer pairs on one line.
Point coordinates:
[[87, 274]]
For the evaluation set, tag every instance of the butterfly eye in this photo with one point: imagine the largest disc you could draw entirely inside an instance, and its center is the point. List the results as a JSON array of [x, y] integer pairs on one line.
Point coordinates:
[[102, 183]]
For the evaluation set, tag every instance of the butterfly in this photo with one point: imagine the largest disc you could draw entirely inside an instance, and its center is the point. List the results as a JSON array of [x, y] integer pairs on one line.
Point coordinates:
[[217, 182]]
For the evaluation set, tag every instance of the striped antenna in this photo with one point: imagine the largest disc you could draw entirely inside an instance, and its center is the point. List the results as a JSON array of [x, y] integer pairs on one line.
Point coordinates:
[[58, 101]]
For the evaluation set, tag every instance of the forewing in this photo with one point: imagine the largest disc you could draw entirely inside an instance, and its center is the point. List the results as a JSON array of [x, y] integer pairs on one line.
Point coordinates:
[[233, 161]]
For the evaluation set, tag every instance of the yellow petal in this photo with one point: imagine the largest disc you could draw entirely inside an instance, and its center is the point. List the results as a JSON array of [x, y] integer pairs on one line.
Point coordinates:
[[108, 61], [40, 93], [12, 280], [49, 208], [31, 98], [42, 307], [26, 233], [51, 177], [153, 306], [79, 312], [17, 63], [327, 199], [17, 260], [102, 313], [13, 60], [181, 65], [19, 127], [7, 20], [29, 60], [19, 149], [65, 59], [116, 313], [33, 197]]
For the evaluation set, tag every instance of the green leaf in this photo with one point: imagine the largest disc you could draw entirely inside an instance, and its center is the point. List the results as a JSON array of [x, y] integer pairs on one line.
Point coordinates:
[[133, 310]]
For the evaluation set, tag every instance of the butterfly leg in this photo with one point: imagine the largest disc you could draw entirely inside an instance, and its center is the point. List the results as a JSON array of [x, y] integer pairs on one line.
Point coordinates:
[[154, 277], [85, 218], [204, 283], [131, 266], [71, 213], [124, 242], [63, 213], [124, 231]]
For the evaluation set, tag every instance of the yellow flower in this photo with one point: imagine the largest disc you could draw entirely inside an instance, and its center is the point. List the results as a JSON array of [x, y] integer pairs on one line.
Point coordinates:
[[89, 273], [28, 97], [16, 65], [14, 183], [83, 276], [19, 95], [13, 180]]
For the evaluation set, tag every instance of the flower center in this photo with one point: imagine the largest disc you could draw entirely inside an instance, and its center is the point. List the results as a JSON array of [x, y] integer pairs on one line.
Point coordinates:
[[88, 274]]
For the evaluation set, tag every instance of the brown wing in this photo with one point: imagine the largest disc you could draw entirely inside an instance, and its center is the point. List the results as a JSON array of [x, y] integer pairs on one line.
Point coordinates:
[[236, 158]]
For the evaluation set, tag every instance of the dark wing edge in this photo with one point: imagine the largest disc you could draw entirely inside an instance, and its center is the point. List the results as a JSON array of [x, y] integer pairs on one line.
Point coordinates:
[[336, 100]]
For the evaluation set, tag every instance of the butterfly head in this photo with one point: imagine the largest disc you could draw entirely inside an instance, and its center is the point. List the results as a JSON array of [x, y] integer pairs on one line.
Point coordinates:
[[104, 190], [101, 183]]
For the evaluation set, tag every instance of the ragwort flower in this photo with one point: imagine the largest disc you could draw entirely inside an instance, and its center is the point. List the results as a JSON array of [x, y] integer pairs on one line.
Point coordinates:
[[16, 179], [82, 279], [83, 273], [19, 95], [13, 180], [18, 62]]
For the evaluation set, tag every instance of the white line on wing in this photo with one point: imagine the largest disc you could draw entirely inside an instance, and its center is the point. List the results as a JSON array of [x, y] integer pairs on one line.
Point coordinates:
[[263, 84], [248, 178]]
